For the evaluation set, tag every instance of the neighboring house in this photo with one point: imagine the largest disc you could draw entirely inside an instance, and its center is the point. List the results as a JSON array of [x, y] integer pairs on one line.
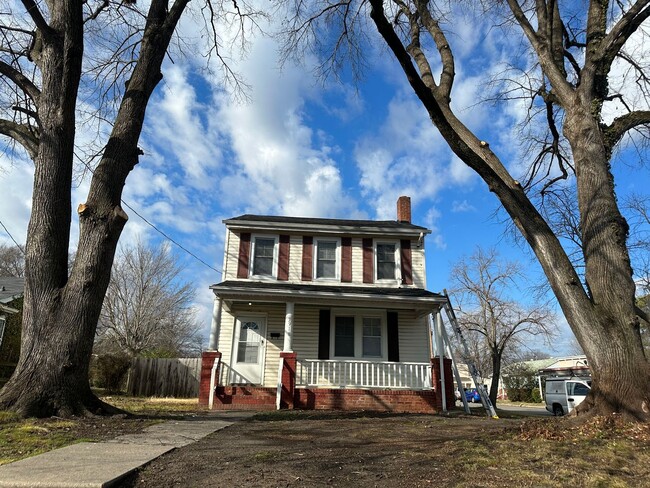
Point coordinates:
[[324, 313], [11, 293]]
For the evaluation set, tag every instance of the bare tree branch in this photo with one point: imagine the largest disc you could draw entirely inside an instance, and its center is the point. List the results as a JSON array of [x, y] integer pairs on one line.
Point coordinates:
[[23, 82], [22, 134]]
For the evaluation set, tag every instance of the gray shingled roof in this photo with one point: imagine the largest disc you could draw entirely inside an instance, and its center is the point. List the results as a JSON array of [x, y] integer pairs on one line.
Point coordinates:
[[383, 224], [11, 288]]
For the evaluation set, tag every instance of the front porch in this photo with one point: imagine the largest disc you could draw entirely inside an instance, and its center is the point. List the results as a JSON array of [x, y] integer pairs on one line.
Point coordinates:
[[331, 384]]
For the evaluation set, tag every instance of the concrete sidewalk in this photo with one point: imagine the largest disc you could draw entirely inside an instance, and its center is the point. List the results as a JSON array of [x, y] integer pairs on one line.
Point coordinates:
[[102, 464]]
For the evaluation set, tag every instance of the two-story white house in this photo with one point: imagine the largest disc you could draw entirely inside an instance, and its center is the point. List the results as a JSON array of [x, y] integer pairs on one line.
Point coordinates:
[[323, 313]]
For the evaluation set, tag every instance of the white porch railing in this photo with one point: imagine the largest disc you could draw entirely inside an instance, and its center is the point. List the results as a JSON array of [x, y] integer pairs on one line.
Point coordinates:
[[363, 374]]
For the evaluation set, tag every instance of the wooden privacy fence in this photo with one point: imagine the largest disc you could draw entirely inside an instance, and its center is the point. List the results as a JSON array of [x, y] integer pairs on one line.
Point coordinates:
[[162, 377]]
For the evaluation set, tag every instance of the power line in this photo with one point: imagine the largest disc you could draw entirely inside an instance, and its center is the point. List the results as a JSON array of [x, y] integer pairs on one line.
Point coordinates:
[[169, 238], [153, 226], [12, 237]]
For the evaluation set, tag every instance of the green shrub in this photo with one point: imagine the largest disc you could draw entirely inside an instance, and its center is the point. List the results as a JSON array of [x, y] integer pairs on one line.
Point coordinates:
[[536, 396], [520, 383], [109, 371]]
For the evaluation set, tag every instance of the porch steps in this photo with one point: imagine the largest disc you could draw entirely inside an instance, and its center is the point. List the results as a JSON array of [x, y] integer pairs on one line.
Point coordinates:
[[244, 398]]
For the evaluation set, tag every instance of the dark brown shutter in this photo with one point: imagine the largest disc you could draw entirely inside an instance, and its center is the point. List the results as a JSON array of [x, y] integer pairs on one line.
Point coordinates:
[[346, 259], [368, 259], [406, 260], [307, 258], [392, 336], [283, 259], [324, 334], [244, 255]]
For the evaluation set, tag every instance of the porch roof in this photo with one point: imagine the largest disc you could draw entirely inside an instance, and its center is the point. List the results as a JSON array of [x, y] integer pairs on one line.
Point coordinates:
[[404, 298]]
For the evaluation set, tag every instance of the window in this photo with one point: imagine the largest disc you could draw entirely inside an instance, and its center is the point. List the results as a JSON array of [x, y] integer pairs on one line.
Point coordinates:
[[326, 259], [386, 261], [344, 336], [371, 343], [264, 257], [359, 334]]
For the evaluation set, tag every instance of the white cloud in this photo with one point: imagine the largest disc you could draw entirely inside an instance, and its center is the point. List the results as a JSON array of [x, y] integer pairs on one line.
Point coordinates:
[[462, 206]]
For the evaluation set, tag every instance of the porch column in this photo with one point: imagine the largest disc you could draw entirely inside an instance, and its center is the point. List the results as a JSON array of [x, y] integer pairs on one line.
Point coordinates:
[[213, 345], [288, 328]]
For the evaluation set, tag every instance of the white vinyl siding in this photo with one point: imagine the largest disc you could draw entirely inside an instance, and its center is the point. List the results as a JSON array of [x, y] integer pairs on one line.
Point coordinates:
[[232, 256], [295, 259], [417, 264], [357, 261], [413, 338]]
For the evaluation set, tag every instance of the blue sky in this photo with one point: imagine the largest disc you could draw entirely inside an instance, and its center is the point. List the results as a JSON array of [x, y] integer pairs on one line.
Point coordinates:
[[297, 147]]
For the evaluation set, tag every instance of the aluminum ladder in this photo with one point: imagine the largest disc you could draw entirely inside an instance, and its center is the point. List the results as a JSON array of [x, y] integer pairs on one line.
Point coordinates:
[[473, 371]]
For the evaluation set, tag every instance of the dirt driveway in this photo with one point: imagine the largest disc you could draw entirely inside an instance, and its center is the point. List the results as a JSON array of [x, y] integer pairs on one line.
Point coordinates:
[[310, 449]]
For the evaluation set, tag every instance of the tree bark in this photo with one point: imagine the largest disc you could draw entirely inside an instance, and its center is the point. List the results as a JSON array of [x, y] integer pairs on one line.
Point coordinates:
[[61, 312], [496, 375]]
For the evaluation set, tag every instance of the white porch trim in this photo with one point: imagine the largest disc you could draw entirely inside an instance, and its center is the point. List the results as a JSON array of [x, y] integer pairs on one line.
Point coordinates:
[[363, 374]]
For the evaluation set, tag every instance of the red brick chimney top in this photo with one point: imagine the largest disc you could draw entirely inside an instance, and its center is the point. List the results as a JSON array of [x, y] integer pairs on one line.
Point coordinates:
[[404, 209]]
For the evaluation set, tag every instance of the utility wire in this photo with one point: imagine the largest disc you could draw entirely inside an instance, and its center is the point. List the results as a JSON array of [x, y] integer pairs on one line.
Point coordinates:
[[153, 226], [169, 238], [12, 237]]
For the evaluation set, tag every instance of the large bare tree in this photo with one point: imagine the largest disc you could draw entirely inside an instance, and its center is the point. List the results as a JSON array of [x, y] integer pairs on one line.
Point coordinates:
[[52, 53], [483, 287], [574, 46], [147, 309]]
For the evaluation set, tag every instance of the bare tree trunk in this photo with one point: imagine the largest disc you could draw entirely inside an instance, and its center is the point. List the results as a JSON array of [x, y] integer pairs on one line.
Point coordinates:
[[611, 335], [61, 312], [496, 375]]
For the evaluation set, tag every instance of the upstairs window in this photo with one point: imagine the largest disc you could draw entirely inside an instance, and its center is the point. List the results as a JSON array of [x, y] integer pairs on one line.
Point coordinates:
[[264, 256], [327, 259], [386, 260]]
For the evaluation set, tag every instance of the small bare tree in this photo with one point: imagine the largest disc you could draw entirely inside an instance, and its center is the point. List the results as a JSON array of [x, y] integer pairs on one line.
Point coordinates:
[[483, 286], [12, 261], [147, 309]]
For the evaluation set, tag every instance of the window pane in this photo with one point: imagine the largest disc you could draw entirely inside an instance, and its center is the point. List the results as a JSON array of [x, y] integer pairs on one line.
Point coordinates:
[[371, 344], [326, 260], [247, 353], [385, 261], [344, 336], [263, 260]]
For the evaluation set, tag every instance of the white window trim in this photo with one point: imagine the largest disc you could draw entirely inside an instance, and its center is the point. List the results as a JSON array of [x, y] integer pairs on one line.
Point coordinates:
[[358, 315], [337, 265], [276, 250], [398, 262]]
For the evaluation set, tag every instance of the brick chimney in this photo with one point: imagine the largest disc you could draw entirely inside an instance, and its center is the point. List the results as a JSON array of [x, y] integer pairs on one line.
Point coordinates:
[[404, 209]]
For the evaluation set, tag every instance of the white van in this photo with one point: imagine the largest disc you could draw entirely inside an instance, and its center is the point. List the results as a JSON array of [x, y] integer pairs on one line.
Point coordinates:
[[564, 394]]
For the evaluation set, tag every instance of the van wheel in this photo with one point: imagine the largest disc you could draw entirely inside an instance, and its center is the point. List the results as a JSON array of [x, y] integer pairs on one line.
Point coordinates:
[[557, 410]]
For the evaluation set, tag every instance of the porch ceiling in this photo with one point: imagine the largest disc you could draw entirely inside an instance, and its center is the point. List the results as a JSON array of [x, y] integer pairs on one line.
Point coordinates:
[[417, 299]]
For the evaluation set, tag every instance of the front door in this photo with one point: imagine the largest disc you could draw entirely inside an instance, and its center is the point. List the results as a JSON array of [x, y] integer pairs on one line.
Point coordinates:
[[249, 350]]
